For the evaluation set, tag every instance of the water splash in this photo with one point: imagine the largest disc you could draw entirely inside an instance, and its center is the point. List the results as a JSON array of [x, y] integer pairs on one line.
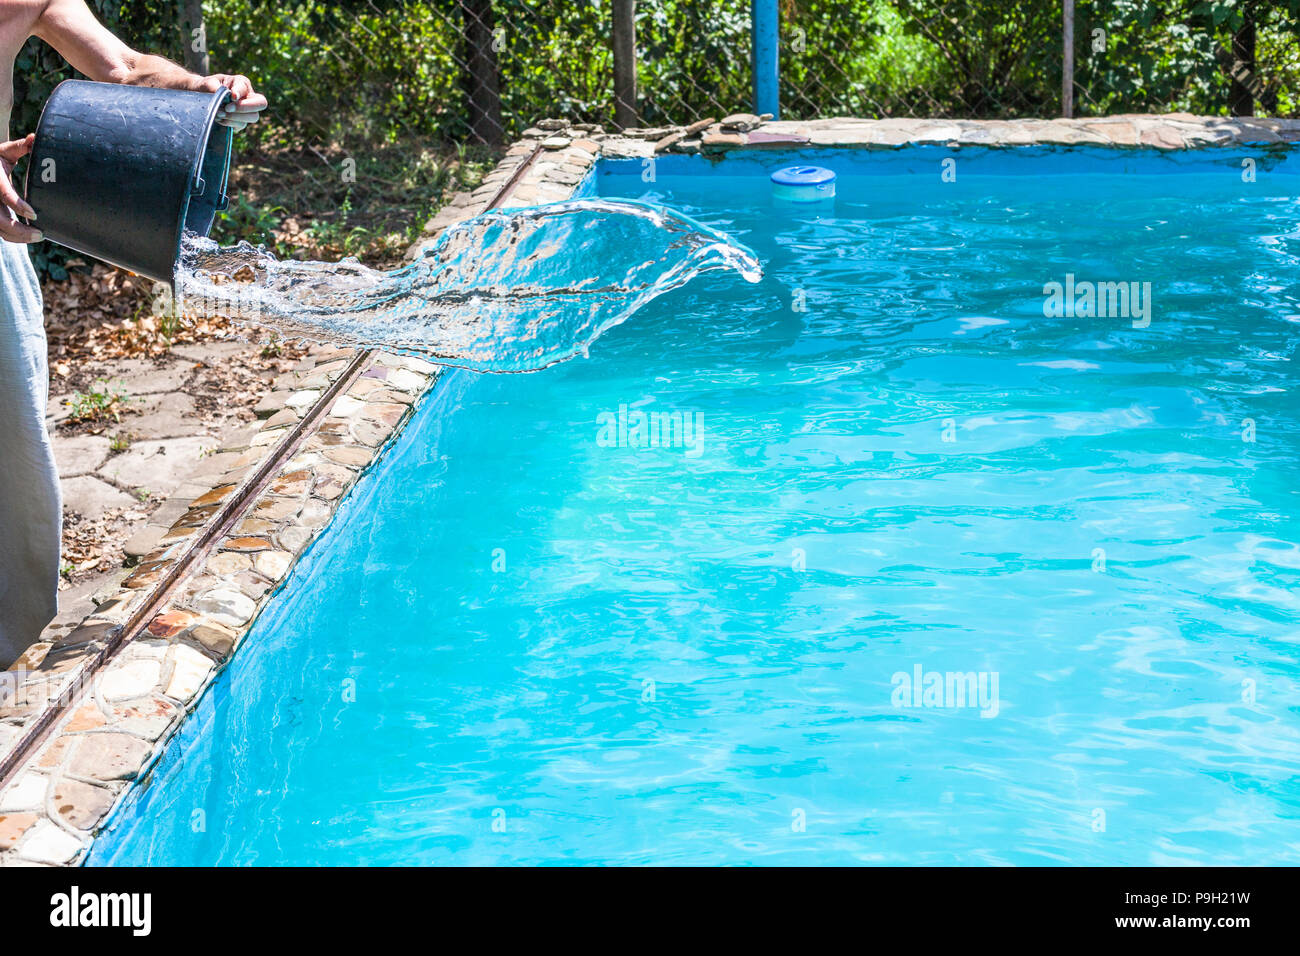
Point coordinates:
[[507, 291]]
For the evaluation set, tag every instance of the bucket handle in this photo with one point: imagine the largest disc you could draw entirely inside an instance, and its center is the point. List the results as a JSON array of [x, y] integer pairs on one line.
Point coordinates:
[[199, 186], [223, 200]]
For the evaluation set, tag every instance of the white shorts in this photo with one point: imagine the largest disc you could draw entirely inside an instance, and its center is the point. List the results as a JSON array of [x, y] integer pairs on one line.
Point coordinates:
[[30, 504]]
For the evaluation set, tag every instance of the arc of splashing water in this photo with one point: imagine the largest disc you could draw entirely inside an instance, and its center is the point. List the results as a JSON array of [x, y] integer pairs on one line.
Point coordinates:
[[507, 291]]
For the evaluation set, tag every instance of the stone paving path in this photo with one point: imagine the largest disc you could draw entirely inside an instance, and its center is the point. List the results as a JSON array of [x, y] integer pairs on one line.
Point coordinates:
[[139, 475]]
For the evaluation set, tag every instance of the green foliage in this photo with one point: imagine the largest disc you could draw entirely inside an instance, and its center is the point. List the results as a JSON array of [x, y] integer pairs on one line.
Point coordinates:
[[51, 260], [555, 60], [863, 64], [102, 403], [373, 204], [246, 220], [347, 71], [997, 58], [337, 233], [1173, 55]]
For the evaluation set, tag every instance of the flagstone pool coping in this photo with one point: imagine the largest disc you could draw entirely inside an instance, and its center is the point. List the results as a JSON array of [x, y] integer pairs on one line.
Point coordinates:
[[124, 697]]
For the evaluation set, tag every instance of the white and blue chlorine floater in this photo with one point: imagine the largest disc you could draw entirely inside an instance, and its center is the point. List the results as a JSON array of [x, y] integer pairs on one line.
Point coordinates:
[[803, 184]]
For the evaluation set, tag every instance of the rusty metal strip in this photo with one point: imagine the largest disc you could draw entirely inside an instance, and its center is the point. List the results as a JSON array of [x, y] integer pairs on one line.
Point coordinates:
[[197, 550], [516, 177]]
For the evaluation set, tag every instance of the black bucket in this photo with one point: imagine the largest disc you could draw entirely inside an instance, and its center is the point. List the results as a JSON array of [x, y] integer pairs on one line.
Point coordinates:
[[119, 172]]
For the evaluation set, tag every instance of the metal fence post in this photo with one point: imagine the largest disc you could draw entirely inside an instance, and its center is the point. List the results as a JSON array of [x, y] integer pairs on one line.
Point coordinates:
[[766, 21], [196, 49], [624, 43], [482, 75], [1067, 59], [1241, 96]]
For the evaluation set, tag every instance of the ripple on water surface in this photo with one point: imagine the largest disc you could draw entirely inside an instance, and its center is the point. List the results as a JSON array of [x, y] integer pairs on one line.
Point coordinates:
[[524, 640]]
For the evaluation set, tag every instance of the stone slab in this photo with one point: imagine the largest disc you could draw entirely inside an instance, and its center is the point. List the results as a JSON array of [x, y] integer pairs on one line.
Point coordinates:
[[81, 454], [159, 465], [92, 496]]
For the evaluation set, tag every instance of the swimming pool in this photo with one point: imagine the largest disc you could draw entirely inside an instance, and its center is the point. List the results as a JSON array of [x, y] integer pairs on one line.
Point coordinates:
[[524, 639]]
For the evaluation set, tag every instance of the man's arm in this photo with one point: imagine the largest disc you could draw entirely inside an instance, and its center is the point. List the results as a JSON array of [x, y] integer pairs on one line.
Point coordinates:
[[70, 27]]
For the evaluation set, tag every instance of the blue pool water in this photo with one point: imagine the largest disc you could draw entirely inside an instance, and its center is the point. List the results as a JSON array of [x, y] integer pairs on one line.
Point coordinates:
[[525, 641]]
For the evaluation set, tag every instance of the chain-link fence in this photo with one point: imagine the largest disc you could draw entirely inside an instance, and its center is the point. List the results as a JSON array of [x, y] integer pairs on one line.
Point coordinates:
[[968, 58], [484, 70]]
